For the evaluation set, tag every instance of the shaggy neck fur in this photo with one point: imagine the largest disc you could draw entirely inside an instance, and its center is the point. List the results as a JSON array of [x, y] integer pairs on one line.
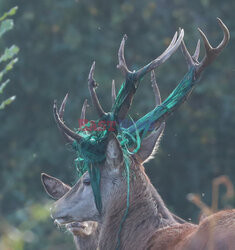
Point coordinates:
[[87, 242], [146, 214]]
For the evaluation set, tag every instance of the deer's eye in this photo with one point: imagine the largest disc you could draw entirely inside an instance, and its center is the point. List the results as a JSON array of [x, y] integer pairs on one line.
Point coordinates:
[[87, 181]]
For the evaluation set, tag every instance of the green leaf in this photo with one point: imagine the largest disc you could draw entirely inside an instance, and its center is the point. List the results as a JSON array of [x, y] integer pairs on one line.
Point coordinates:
[[8, 67], [9, 53], [5, 26], [11, 12], [3, 85], [7, 102]]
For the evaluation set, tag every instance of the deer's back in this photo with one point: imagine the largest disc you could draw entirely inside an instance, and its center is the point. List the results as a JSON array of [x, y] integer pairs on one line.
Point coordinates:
[[167, 238], [216, 232]]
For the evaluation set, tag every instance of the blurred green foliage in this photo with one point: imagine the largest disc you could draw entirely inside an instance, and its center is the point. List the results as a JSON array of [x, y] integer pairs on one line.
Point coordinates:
[[58, 41], [8, 54]]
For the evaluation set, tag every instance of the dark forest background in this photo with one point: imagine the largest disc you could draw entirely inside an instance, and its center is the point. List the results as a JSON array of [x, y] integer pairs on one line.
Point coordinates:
[[58, 40]]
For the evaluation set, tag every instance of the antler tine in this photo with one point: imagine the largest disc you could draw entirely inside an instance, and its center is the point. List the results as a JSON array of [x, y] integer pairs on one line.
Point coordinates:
[[226, 37], [158, 101], [62, 107], [66, 131], [206, 42], [61, 115], [212, 53], [83, 113], [113, 92], [187, 56], [92, 85], [197, 51], [121, 58], [84, 107], [156, 91], [175, 43]]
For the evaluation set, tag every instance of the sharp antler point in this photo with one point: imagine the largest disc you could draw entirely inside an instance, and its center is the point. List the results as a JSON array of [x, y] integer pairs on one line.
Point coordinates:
[[85, 102], [182, 32], [66, 96]]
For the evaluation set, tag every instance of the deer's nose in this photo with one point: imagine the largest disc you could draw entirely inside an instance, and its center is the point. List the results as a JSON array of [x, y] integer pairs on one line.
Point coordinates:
[[59, 215], [54, 211], [51, 209]]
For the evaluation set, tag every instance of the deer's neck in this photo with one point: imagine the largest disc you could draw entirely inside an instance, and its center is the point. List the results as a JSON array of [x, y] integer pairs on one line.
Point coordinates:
[[147, 213], [87, 242], [84, 243], [163, 211]]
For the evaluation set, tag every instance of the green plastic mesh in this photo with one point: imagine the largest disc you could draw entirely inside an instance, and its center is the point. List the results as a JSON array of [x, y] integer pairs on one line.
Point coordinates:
[[91, 150], [177, 97]]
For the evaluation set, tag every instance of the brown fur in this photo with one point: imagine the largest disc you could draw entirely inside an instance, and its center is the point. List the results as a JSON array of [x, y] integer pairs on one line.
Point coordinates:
[[148, 214], [87, 242], [149, 224], [86, 234], [214, 233], [168, 237]]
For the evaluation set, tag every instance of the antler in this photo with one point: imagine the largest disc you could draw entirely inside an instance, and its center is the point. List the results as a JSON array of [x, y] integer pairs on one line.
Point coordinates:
[[173, 46], [61, 115], [211, 53], [92, 84], [157, 130], [184, 88], [113, 92], [83, 113], [68, 134], [156, 91], [122, 102], [132, 78], [62, 126]]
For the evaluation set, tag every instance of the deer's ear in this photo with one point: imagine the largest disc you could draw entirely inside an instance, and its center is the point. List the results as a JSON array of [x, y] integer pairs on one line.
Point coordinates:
[[150, 144], [114, 154], [54, 187]]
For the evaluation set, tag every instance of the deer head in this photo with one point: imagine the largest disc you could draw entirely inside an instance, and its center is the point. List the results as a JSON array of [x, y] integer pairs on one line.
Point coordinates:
[[115, 177], [56, 189], [112, 181], [85, 233]]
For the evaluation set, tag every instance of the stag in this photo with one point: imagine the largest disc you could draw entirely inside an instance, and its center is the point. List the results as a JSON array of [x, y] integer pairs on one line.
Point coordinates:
[[86, 234], [130, 210]]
